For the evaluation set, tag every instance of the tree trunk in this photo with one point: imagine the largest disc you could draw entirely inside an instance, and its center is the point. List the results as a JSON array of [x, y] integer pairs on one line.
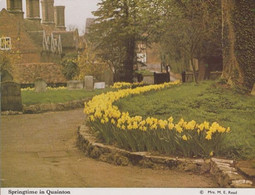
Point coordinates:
[[193, 69], [129, 61], [238, 35], [130, 48]]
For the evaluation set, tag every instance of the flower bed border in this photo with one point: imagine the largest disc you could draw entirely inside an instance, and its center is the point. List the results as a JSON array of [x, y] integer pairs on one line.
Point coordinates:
[[222, 170]]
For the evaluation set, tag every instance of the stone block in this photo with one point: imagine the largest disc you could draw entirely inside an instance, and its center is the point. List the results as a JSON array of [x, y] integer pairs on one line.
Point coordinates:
[[45, 107], [99, 85], [146, 163], [121, 160], [108, 77], [233, 176], [11, 96], [199, 161], [226, 168], [241, 181], [40, 85], [222, 160], [88, 83], [74, 85], [190, 167], [205, 168], [148, 79], [172, 163], [95, 152]]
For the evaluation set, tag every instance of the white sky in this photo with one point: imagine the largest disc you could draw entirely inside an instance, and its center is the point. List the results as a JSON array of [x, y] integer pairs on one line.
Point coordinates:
[[76, 11]]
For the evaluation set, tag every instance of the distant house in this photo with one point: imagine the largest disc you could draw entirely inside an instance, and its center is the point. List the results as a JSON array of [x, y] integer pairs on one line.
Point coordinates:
[[20, 42], [35, 40]]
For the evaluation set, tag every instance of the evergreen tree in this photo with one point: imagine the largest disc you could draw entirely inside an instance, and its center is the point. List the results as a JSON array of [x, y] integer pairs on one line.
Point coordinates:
[[119, 25]]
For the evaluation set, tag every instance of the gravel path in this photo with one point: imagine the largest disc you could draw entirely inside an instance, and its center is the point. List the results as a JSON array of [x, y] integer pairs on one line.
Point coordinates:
[[38, 150]]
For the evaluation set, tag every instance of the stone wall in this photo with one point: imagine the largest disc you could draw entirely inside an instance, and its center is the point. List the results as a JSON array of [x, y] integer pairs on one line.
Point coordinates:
[[224, 172], [74, 84]]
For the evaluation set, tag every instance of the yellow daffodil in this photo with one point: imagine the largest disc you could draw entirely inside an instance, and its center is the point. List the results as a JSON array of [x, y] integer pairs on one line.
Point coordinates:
[[170, 120], [178, 128], [170, 126], [113, 121], [101, 107], [208, 136], [184, 137], [228, 130]]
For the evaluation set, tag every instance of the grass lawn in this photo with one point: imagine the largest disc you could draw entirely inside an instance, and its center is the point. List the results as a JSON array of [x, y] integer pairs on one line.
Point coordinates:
[[57, 96], [205, 101]]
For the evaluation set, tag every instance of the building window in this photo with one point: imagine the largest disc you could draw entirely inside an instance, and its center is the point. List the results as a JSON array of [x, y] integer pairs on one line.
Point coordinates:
[[5, 43]]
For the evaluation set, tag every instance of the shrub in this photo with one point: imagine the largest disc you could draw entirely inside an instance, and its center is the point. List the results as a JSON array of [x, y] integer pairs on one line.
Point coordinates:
[[70, 68]]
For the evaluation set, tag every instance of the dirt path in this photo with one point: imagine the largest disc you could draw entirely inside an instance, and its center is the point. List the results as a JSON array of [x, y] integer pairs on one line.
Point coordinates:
[[39, 151]]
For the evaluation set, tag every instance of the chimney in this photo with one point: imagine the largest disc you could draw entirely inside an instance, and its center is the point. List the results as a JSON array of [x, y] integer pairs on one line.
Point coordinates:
[[59, 17], [47, 12], [33, 10], [15, 7]]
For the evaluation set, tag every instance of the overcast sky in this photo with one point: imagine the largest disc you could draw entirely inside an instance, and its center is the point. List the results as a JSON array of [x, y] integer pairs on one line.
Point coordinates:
[[76, 11]]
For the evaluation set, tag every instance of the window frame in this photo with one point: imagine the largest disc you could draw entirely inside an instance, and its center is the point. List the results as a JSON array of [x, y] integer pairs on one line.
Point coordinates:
[[5, 43]]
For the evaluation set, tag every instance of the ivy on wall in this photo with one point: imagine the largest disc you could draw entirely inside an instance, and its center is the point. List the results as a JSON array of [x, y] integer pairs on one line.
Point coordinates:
[[243, 19], [239, 42]]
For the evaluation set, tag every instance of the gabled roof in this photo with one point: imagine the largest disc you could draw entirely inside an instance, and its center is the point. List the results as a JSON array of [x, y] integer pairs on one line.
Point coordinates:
[[18, 30]]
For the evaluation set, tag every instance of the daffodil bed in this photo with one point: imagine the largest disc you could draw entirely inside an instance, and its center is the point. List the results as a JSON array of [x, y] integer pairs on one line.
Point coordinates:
[[125, 85], [135, 133]]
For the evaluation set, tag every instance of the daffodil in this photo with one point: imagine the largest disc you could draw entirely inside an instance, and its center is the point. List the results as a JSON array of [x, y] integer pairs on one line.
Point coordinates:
[[170, 119], [101, 107], [113, 121], [170, 126], [178, 128], [91, 117], [184, 137], [208, 136], [228, 130]]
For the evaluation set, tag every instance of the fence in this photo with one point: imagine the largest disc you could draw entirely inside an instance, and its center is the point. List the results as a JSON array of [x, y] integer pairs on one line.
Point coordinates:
[[161, 77]]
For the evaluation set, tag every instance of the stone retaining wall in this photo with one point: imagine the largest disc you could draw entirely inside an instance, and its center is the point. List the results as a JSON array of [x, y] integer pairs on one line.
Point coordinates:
[[87, 143], [226, 174], [223, 170]]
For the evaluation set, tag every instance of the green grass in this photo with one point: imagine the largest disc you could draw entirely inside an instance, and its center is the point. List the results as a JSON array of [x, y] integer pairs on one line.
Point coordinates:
[[57, 96], [205, 101]]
